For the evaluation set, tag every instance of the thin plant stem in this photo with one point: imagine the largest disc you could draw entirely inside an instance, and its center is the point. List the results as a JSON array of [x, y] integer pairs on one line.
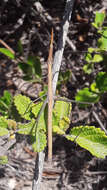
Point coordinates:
[[50, 99]]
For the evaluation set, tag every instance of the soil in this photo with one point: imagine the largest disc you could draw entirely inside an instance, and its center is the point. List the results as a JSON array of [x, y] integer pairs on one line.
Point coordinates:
[[73, 168]]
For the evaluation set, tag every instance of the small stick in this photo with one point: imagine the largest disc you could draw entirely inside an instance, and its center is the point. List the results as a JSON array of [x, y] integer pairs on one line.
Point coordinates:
[[99, 121], [18, 59], [50, 99], [6, 46], [73, 101]]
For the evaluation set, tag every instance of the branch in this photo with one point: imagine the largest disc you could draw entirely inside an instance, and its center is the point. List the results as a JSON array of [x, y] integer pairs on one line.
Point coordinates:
[[50, 99], [7, 46], [61, 42], [38, 170], [55, 71], [39, 162], [73, 101], [99, 121]]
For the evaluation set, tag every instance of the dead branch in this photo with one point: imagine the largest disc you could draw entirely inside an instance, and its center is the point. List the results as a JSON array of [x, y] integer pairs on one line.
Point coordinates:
[[55, 70]]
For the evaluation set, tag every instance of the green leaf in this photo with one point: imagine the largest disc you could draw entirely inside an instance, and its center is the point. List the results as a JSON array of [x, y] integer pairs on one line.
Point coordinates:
[[95, 25], [3, 126], [88, 68], [102, 42], [7, 52], [61, 114], [23, 105], [88, 57], [3, 122], [101, 81], [31, 60], [62, 108], [39, 141], [36, 65], [42, 123], [27, 69], [97, 58], [5, 100], [91, 50], [20, 47], [27, 128], [85, 95], [5, 103], [92, 139], [14, 114], [3, 159], [64, 76], [60, 120], [55, 120], [32, 68], [36, 108], [94, 88], [7, 97], [57, 130], [43, 94], [99, 19], [64, 123], [3, 131]]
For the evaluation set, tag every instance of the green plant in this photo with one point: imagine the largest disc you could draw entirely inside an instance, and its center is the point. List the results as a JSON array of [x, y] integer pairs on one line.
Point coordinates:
[[64, 77], [88, 137], [31, 67], [95, 55], [5, 104], [94, 93], [98, 54], [3, 160], [31, 121]]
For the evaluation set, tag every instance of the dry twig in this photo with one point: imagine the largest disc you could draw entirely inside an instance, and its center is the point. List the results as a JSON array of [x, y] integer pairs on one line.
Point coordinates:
[[50, 99], [55, 71]]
